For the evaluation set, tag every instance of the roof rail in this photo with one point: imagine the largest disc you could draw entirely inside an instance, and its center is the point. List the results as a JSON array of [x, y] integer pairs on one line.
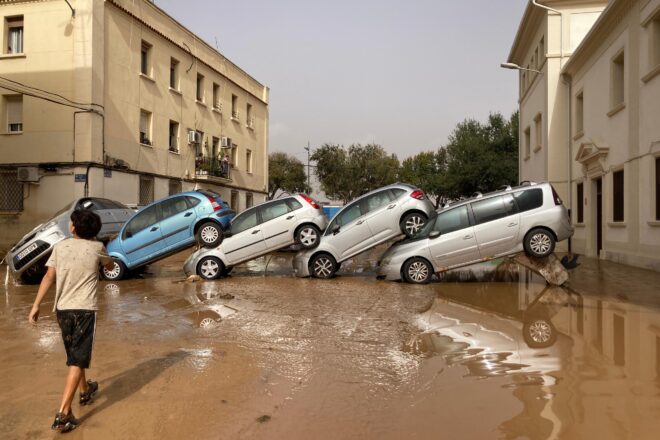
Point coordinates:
[[477, 195], [505, 188], [527, 183]]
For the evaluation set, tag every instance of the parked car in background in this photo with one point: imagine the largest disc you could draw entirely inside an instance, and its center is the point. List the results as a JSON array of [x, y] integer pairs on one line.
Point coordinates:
[[260, 230], [530, 218], [370, 220], [28, 257], [166, 227]]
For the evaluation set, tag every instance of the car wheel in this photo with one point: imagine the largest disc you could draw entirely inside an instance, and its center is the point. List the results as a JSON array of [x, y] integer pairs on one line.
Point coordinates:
[[308, 236], [117, 272], [210, 268], [539, 332], [539, 243], [209, 235], [412, 223], [417, 271], [323, 266]]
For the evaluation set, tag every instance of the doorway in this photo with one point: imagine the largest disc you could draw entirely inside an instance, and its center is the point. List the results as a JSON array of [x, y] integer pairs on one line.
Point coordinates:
[[599, 216]]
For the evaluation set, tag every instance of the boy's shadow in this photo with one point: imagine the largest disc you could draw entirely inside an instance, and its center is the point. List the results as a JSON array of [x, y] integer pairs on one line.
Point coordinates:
[[124, 384]]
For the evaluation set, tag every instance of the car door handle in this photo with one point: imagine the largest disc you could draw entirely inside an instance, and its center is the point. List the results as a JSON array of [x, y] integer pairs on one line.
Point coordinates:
[[467, 237], [290, 217], [360, 222], [392, 206], [512, 224], [154, 229], [188, 214], [255, 232]]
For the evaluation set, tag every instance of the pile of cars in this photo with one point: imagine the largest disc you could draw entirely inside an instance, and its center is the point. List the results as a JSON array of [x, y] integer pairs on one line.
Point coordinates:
[[530, 217]]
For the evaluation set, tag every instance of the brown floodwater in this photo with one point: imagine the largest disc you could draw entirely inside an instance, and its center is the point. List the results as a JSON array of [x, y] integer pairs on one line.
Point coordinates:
[[263, 355]]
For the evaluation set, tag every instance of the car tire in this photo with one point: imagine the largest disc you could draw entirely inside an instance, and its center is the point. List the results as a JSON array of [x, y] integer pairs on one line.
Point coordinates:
[[209, 235], [308, 236], [227, 271], [539, 243], [323, 266], [210, 268], [539, 332], [117, 272], [417, 271], [412, 223]]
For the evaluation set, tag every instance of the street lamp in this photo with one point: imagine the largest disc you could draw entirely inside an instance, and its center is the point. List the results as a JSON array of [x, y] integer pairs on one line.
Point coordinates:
[[514, 66]]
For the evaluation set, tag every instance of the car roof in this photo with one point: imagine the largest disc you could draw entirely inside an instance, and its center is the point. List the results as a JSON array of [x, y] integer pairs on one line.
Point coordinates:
[[480, 196]]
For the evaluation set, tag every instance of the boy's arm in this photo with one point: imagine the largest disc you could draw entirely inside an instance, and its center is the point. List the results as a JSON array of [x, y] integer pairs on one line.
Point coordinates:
[[46, 283], [106, 260]]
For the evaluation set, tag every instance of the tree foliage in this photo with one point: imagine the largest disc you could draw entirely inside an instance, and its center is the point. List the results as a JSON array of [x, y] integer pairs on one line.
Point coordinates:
[[427, 171], [285, 173]]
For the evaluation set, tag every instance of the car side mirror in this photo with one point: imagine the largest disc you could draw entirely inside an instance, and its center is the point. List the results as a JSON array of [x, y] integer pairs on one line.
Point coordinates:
[[435, 234], [129, 234], [335, 229], [227, 233]]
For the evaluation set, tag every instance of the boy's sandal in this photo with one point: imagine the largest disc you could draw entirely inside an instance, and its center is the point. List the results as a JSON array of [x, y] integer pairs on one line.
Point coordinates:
[[65, 422], [86, 397]]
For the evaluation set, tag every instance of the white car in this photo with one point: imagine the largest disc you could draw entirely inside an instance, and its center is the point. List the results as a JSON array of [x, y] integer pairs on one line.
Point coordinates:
[[260, 230]]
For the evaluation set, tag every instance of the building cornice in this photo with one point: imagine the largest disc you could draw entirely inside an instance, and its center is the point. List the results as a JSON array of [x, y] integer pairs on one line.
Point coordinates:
[[529, 24]]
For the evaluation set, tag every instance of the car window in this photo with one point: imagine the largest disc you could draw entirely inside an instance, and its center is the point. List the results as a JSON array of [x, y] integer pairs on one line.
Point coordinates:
[[192, 201], [376, 201], [529, 199], [348, 215], [397, 192], [142, 220], [273, 210], [173, 206], [452, 220], [294, 204], [493, 208], [244, 221]]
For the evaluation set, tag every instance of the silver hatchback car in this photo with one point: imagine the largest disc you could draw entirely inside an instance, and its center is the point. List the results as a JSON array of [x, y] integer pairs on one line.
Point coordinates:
[[530, 218], [372, 219], [260, 230]]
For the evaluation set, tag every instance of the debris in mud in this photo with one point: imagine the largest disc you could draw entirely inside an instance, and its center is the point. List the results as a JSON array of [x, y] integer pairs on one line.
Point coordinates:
[[263, 419], [226, 296], [190, 279]]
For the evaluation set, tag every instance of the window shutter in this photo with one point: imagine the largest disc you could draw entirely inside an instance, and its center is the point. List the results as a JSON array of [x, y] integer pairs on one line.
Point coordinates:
[[14, 110]]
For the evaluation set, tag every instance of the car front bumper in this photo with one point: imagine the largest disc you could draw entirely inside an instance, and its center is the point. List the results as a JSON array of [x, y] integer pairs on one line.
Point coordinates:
[[41, 245]]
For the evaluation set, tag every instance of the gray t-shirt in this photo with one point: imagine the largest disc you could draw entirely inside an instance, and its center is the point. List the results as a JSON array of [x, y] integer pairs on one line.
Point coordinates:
[[76, 262]]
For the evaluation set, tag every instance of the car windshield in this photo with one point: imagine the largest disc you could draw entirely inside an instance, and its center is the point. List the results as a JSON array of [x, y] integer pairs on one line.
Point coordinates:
[[60, 212], [428, 227]]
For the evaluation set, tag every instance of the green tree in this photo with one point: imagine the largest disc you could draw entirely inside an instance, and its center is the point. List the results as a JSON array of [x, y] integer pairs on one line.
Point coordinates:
[[427, 171], [285, 173]]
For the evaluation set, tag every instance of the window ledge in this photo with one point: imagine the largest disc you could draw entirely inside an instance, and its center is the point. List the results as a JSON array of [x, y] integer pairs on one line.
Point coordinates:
[[147, 145], [250, 127], [217, 110], [202, 103], [654, 223], [12, 133], [616, 224], [177, 152], [8, 56], [526, 157], [616, 109], [147, 77], [176, 92], [10, 213], [579, 225], [537, 148], [578, 135], [235, 119], [651, 74]]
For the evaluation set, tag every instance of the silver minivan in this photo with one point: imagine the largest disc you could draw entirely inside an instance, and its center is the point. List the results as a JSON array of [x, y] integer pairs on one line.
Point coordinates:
[[530, 218], [372, 219], [260, 230]]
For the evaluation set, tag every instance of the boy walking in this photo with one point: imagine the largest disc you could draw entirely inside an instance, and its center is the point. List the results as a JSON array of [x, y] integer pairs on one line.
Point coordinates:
[[74, 266]]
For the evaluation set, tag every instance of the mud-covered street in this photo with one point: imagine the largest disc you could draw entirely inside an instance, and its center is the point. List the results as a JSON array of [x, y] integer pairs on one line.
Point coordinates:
[[262, 354]]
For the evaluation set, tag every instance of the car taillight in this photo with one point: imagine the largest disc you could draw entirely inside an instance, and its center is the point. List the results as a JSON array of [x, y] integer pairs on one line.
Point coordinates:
[[556, 196], [214, 204], [417, 194], [310, 201]]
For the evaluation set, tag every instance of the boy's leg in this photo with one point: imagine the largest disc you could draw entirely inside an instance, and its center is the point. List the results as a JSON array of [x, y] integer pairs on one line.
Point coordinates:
[[83, 382], [72, 381]]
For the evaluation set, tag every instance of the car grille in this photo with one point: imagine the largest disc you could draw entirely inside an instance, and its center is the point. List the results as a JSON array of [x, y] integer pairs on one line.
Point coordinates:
[[23, 241], [41, 248]]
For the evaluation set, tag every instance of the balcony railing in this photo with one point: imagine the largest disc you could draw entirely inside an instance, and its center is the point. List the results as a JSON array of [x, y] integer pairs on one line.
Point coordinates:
[[208, 166]]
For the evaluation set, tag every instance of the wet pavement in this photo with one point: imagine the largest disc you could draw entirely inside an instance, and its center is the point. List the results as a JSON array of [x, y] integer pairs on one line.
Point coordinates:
[[263, 355]]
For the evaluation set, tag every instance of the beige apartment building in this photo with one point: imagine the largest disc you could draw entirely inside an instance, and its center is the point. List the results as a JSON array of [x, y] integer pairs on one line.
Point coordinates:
[[589, 104], [116, 99]]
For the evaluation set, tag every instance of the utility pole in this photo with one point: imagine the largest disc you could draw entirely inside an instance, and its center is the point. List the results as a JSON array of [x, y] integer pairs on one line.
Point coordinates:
[[307, 148]]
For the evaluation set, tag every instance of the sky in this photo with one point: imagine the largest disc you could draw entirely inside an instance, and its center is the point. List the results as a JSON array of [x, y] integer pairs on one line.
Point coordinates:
[[398, 73]]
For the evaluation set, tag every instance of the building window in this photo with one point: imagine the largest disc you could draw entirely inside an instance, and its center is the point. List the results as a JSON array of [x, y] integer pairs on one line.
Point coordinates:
[[216, 96], [234, 106], [14, 36], [248, 161], [145, 58], [11, 191], [655, 41], [234, 200], [528, 141], [215, 143], [617, 196], [174, 74], [145, 127], [523, 82], [175, 187], [542, 51], [234, 155], [200, 88], [146, 195], [618, 80], [249, 121], [174, 136], [538, 132], [580, 202], [199, 143], [657, 188], [248, 200], [14, 112], [579, 113]]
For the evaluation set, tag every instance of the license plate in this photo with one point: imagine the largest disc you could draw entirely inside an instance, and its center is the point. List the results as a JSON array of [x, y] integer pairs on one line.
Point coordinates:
[[26, 251]]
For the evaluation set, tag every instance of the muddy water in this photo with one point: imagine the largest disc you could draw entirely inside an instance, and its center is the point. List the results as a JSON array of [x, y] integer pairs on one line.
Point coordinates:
[[264, 355]]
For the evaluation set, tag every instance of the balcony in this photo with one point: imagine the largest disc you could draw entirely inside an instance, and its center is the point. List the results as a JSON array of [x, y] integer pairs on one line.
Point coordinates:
[[208, 168]]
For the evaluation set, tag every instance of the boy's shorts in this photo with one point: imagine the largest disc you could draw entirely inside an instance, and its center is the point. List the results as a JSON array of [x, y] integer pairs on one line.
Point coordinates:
[[78, 328]]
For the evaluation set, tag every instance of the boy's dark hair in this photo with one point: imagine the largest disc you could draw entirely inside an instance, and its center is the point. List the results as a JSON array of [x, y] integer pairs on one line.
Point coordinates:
[[87, 223]]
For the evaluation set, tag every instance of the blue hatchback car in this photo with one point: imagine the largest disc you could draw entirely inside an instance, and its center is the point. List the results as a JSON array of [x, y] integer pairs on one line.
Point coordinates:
[[168, 226]]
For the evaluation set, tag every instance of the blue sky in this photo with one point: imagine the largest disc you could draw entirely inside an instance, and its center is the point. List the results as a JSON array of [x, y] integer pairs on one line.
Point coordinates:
[[398, 73]]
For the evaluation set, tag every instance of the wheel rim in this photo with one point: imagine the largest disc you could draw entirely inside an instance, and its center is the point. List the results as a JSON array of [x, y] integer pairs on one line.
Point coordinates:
[[540, 243], [207, 323], [414, 224], [323, 267], [308, 236], [540, 331], [209, 234], [209, 268], [112, 273], [418, 271]]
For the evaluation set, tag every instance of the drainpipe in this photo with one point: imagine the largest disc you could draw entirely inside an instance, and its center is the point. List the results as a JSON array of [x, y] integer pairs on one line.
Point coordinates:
[[566, 79]]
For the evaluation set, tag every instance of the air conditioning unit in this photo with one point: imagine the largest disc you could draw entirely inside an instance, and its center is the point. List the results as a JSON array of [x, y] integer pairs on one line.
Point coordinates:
[[28, 174], [193, 137], [225, 142]]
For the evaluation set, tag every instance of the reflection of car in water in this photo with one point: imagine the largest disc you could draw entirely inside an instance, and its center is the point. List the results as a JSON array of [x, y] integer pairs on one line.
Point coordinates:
[[260, 230], [530, 218], [28, 256]]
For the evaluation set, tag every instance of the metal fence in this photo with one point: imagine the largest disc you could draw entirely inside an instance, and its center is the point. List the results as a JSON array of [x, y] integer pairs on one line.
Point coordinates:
[[146, 190], [208, 166], [11, 191]]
